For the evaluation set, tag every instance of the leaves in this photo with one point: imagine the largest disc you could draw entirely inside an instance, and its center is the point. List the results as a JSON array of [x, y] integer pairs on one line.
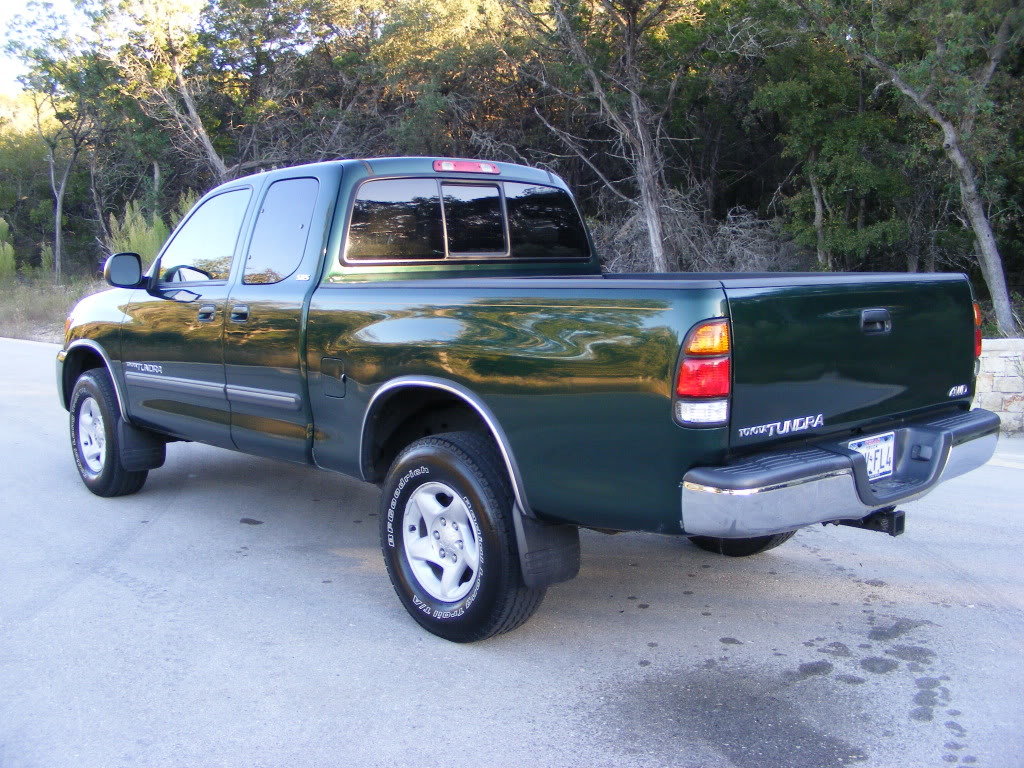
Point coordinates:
[[712, 114]]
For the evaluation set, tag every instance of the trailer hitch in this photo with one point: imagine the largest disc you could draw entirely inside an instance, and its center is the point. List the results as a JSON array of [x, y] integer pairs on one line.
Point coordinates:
[[888, 520]]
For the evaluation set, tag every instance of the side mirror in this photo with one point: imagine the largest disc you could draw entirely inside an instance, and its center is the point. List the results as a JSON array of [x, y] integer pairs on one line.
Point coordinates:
[[123, 270]]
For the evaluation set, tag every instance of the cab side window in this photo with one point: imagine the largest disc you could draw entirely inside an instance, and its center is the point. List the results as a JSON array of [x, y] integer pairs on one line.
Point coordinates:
[[204, 246], [281, 231], [544, 223]]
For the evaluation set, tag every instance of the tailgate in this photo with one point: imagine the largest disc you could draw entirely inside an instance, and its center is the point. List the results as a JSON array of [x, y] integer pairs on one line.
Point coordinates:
[[814, 355]]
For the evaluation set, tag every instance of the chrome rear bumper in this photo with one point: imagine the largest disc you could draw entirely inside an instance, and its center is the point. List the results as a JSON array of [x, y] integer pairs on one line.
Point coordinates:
[[781, 491]]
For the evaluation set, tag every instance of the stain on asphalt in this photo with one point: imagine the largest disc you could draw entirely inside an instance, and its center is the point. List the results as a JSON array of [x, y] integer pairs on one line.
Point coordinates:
[[810, 669], [912, 653], [730, 641], [897, 629], [250, 521], [836, 649], [753, 720], [878, 665], [851, 679]]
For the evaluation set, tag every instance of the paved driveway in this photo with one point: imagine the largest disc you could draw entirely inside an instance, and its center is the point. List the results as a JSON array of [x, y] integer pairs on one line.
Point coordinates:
[[236, 612]]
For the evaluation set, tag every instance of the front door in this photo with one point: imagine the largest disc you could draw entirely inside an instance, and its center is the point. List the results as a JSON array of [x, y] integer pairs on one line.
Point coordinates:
[[172, 342]]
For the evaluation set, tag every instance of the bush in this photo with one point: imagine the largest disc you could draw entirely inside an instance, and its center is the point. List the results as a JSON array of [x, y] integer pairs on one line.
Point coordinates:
[[694, 241], [7, 266], [137, 232]]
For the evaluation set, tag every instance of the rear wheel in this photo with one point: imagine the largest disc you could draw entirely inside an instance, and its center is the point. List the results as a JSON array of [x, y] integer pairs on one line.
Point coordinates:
[[741, 547], [95, 420], [448, 539]]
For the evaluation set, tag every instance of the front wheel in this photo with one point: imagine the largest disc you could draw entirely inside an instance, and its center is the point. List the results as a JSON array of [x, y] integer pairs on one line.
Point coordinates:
[[448, 539], [741, 547], [95, 418]]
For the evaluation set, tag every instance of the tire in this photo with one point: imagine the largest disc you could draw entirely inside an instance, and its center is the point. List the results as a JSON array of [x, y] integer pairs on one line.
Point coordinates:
[[95, 420], [741, 547], [448, 539]]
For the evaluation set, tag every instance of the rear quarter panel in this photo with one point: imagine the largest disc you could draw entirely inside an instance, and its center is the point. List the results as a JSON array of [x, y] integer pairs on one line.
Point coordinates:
[[577, 374]]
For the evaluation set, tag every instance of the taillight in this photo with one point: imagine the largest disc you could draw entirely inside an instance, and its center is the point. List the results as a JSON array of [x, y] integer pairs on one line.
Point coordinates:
[[704, 378], [977, 330], [707, 377]]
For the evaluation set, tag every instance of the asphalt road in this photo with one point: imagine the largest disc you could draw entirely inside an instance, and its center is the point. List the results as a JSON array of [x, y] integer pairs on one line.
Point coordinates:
[[164, 630]]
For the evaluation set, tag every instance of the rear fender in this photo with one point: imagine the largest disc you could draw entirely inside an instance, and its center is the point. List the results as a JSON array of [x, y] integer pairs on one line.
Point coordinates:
[[548, 553]]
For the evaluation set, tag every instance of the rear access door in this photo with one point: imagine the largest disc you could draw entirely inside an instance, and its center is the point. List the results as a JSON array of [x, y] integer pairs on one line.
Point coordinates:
[[815, 355], [264, 360]]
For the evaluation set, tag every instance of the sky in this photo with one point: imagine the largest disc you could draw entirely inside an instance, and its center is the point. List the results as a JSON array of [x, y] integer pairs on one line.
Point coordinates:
[[10, 68]]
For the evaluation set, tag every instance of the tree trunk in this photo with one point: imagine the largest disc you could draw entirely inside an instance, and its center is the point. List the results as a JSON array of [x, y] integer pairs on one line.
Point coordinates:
[[650, 204], [824, 257], [650, 201], [913, 257], [156, 187], [988, 252], [196, 128], [58, 239], [59, 188], [97, 203]]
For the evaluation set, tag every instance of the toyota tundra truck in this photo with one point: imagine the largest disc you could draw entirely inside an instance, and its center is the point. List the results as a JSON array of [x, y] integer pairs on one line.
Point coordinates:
[[442, 328]]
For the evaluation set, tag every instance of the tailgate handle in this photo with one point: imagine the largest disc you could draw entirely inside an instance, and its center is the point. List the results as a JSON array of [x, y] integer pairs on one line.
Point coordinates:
[[875, 321]]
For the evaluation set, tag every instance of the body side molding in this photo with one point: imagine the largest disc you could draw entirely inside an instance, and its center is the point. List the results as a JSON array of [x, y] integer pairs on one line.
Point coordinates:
[[175, 384]]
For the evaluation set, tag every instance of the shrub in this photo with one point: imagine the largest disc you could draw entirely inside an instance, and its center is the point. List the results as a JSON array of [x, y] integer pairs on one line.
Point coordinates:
[[137, 232], [7, 266]]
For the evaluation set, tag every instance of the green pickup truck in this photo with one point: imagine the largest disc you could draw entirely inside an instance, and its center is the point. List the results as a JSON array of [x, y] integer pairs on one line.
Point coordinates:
[[442, 328]]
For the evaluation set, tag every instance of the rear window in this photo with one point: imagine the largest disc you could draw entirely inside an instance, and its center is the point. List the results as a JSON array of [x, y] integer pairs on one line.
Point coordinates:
[[412, 219], [396, 219], [473, 218]]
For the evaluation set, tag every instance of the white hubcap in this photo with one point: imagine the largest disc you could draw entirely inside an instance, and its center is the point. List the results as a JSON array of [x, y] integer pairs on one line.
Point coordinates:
[[92, 439], [442, 543]]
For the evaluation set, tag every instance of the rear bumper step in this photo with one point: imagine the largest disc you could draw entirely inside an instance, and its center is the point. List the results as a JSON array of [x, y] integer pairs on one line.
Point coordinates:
[[781, 491]]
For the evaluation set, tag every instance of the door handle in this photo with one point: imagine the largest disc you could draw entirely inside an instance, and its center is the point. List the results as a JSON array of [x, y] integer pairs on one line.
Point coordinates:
[[206, 313], [239, 313], [875, 321]]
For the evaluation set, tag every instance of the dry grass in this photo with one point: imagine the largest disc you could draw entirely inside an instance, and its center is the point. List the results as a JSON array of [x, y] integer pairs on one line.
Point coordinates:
[[35, 308]]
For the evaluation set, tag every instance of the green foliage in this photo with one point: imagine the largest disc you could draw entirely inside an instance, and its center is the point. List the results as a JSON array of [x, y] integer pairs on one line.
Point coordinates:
[[186, 201], [758, 101], [137, 232], [46, 258], [8, 268]]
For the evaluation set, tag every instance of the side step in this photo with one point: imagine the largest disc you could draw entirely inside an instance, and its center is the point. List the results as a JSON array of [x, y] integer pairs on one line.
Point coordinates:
[[889, 520]]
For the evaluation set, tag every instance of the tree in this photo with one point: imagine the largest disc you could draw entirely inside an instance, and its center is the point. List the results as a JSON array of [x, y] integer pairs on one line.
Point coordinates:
[[62, 82], [847, 149], [942, 55], [154, 43], [609, 45]]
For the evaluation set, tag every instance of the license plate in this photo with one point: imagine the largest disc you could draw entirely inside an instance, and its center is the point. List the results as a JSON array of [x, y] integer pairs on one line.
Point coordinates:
[[877, 451]]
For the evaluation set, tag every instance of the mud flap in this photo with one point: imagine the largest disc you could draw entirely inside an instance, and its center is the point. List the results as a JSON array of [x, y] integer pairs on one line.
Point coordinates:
[[549, 553], [140, 449]]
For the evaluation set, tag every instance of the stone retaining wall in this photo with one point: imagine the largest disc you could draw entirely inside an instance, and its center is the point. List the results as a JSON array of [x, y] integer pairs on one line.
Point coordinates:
[[1001, 382]]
